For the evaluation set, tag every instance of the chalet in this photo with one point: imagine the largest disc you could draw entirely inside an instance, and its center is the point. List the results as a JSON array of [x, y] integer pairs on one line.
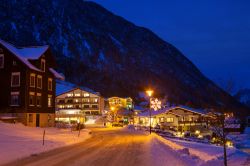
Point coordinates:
[[121, 109], [118, 102], [27, 79], [77, 104], [178, 118]]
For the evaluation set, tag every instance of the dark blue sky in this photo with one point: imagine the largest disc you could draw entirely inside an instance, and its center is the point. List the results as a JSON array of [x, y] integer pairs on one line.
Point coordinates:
[[213, 34]]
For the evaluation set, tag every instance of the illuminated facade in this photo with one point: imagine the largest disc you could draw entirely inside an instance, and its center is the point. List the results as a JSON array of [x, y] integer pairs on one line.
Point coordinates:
[[121, 108], [77, 105], [118, 102], [177, 118]]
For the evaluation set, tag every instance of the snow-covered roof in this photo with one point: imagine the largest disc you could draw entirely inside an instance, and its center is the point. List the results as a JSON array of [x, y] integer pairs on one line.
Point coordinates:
[[56, 74], [63, 87], [166, 110], [195, 110], [25, 53]]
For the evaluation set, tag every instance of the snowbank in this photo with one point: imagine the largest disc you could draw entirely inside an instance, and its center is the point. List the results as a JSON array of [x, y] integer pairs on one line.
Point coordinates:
[[210, 154], [18, 141]]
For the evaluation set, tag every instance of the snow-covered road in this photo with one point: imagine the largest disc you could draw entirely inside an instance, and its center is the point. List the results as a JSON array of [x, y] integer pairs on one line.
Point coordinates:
[[113, 147]]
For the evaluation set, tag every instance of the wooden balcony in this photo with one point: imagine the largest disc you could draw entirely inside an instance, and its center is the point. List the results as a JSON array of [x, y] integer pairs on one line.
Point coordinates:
[[192, 123]]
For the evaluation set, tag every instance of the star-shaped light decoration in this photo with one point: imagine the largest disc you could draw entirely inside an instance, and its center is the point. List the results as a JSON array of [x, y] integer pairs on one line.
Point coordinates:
[[155, 104]]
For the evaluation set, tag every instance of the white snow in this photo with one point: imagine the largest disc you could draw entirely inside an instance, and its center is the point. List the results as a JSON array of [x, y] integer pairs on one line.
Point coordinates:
[[56, 74], [209, 154], [167, 109], [18, 141], [117, 43], [13, 26], [101, 57], [86, 45], [63, 86], [26, 53]]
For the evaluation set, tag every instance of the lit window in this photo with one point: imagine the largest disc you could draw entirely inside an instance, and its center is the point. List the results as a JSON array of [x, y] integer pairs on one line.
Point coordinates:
[[69, 106], [85, 100], [170, 119], [15, 79], [31, 98], [69, 94], [77, 94], [86, 94], [49, 100], [39, 82], [1, 61], [95, 100], [38, 99], [50, 84], [43, 64], [32, 80], [14, 101]]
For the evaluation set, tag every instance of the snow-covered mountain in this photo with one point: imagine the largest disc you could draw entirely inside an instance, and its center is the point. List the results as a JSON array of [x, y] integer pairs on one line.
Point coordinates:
[[107, 53], [243, 96]]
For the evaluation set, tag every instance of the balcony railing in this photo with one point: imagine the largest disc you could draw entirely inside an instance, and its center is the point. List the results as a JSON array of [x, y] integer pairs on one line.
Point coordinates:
[[82, 108], [64, 103], [197, 122]]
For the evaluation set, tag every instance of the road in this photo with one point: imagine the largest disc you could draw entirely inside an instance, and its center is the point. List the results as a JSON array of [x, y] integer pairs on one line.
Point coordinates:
[[110, 147]]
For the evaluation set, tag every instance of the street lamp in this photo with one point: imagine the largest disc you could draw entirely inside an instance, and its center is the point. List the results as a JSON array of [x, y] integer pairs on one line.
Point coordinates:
[[149, 92]]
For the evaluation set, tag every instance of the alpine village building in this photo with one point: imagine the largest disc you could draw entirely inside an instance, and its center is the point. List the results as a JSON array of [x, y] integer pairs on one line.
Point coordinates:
[[27, 78], [77, 104]]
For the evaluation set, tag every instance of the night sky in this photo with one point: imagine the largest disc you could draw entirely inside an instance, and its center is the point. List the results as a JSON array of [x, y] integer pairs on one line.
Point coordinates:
[[213, 34]]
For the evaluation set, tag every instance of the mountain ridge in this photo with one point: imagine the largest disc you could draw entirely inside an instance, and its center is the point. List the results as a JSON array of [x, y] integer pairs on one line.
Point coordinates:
[[107, 53]]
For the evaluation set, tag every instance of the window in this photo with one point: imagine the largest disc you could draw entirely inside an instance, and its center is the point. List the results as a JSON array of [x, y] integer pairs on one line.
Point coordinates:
[[94, 106], [85, 106], [50, 84], [15, 79], [161, 119], [32, 80], [39, 81], [14, 63], [1, 61], [69, 106], [30, 118], [95, 100], [70, 95], [86, 94], [85, 100], [31, 98], [170, 120], [43, 64], [38, 99], [49, 100], [77, 94], [14, 101]]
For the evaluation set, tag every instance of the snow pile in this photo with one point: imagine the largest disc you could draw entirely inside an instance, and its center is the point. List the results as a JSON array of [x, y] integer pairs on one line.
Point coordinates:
[[18, 141], [210, 154]]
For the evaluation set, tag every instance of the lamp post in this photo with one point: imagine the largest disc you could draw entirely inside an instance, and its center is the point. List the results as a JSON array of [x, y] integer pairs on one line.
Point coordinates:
[[149, 92]]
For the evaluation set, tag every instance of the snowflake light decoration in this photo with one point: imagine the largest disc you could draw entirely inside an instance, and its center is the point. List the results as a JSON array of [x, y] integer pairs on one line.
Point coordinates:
[[155, 104]]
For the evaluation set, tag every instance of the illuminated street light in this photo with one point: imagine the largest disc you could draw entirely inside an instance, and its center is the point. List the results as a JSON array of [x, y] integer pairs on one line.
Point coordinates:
[[150, 93]]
